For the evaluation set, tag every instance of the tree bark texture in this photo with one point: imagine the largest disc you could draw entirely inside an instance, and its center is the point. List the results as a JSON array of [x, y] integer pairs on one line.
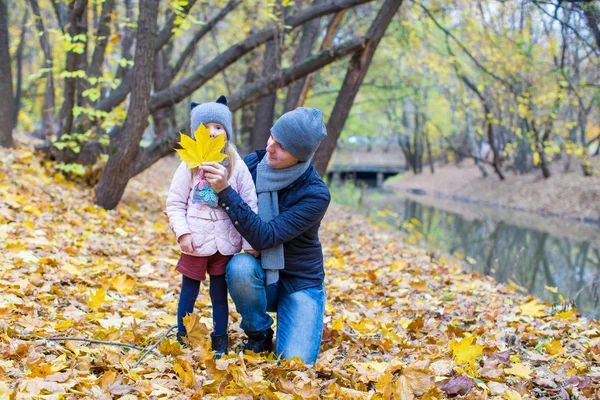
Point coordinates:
[[19, 57], [357, 69], [6, 109], [310, 33], [119, 167], [265, 107], [49, 111]]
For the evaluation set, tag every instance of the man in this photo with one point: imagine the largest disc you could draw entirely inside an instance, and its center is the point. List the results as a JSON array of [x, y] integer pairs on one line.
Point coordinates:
[[288, 278]]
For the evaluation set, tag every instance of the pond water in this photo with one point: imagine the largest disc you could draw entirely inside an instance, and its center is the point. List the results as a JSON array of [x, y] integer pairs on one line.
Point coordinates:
[[534, 259]]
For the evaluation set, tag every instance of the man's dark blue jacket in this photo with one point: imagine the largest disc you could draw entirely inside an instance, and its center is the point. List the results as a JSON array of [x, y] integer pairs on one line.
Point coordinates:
[[302, 205]]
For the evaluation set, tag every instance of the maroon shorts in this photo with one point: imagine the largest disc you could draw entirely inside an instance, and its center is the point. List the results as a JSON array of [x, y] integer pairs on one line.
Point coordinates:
[[196, 267]]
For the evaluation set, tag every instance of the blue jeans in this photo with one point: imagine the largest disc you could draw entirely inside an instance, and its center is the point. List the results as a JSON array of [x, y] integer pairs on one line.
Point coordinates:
[[299, 314]]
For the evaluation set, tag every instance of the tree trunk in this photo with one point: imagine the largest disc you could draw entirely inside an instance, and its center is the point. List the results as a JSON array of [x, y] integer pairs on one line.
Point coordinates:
[[304, 50], [248, 111], [6, 109], [94, 70], [428, 147], [82, 59], [48, 113], [119, 167], [126, 35], [474, 145], [327, 41], [357, 69], [19, 57], [70, 85], [265, 107], [592, 18]]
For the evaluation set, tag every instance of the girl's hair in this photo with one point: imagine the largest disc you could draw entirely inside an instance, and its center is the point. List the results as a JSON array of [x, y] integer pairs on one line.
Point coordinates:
[[233, 154]]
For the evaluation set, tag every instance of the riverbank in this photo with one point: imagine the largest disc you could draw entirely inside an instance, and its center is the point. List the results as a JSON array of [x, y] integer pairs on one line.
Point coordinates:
[[569, 196], [400, 322]]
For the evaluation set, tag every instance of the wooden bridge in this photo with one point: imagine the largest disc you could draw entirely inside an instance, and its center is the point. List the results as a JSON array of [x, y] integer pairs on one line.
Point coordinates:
[[372, 167]]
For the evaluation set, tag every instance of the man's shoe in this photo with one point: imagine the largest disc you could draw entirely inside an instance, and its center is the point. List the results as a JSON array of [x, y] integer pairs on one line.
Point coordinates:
[[259, 341], [220, 344]]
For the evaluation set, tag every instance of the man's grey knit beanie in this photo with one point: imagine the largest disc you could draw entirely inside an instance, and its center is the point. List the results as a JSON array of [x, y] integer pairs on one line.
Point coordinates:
[[211, 112], [300, 131]]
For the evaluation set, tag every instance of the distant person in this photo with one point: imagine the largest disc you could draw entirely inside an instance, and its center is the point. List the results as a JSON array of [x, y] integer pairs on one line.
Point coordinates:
[[289, 277], [205, 234]]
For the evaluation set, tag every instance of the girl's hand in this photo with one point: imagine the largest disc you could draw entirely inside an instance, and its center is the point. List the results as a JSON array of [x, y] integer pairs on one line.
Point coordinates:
[[216, 175], [186, 243]]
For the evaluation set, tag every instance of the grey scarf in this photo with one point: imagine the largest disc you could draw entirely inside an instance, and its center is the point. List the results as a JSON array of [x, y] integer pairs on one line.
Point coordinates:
[[268, 182]]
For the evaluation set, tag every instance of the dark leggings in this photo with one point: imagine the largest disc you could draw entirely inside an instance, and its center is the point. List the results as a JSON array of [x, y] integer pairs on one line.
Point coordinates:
[[218, 297]]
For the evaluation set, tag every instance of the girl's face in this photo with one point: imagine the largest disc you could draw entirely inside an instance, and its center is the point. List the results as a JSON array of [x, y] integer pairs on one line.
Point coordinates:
[[215, 129]]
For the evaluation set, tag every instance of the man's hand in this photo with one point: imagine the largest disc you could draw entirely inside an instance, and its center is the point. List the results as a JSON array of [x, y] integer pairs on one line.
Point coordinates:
[[254, 253], [216, 175], [186, 243]]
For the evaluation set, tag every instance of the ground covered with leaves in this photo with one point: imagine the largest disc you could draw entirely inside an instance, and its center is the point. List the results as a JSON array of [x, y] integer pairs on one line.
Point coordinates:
[[401, 323]]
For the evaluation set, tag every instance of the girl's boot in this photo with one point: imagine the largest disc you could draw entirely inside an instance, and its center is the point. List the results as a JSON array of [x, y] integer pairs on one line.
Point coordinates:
[[220, 344]]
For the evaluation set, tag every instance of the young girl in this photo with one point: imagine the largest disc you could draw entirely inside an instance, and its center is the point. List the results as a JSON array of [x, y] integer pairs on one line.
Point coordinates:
[[205, 233]]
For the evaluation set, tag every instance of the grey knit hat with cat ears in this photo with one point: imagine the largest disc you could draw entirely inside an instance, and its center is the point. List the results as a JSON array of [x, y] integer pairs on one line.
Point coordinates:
[[211, 112]]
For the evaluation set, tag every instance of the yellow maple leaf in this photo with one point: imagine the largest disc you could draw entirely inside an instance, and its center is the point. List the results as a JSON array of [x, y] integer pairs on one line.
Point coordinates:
[[96, 299], [511, 395], [197, 332], [338, 324], [533, 309], [122, 284], [520, 370], [185, 372], [465, 351], [412, 383], [66, 324], [170, 347], [554, 347], [566, 314], [202, 149]]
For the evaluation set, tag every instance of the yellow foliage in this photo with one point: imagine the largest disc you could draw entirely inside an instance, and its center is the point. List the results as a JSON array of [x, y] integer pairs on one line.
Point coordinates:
[[202, 149]]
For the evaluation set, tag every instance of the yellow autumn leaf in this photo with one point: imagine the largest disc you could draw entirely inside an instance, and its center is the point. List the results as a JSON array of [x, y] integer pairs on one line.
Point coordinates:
[[520, 370], [533, 309], [338, 324], [197, 332], [465, 351], [122, 284], [551, 289], [554, 347], [202, 149], [170, 347], [185, 373], [96, 299], [565, 314], [512, 395], [412, 383], [63, 325]]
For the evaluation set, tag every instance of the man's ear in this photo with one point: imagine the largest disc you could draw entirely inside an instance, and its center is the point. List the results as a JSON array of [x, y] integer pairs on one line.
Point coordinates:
[[222, 100], [194, 104]]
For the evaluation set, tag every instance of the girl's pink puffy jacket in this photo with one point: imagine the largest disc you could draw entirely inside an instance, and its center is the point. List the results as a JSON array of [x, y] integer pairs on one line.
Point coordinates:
[[190, 211]]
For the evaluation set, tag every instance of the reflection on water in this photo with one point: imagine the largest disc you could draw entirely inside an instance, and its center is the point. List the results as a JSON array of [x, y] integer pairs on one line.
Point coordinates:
[[531, 258]]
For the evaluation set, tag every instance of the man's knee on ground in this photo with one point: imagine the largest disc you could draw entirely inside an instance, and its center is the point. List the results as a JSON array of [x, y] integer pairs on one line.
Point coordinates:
[[241, 267]]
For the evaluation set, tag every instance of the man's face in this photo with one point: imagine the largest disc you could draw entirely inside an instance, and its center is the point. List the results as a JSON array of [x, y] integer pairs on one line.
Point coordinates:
[[277, 156]]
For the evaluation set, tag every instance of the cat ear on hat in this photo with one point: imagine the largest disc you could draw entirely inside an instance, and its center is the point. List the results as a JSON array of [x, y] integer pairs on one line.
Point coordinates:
[[193, 105], [222, 100]]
